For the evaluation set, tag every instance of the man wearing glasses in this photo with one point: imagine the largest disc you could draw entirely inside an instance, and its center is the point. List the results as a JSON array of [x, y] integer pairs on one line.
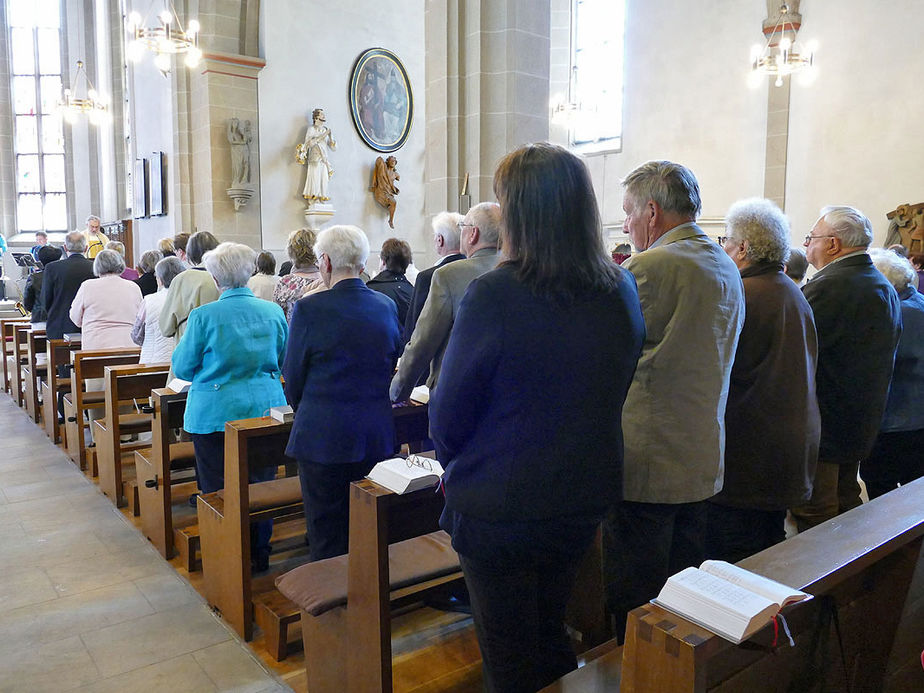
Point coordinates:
[[479, 234], [858, 319]]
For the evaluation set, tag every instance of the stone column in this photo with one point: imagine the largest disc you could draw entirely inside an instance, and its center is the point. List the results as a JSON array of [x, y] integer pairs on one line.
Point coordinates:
[[487, 91]]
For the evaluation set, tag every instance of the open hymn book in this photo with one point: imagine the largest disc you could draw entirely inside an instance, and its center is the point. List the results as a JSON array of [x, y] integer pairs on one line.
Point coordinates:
[[406, 475], [730, 601]]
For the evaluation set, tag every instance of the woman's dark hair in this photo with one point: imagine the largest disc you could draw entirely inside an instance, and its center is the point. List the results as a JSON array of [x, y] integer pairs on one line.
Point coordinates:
[[48, 253], [180, 241], [285, 268], [396, 254], [266, 263], [551, 233], [198, 245]]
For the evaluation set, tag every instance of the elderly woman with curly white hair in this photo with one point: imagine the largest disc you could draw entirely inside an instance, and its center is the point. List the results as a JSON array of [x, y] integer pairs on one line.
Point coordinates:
[[105, 308], [772, 422], [231, 352]]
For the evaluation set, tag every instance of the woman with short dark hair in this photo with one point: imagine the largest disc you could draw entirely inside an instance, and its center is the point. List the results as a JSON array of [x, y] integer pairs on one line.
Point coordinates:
[[191, 289], [395, 257], [263, 282], [527, 415]]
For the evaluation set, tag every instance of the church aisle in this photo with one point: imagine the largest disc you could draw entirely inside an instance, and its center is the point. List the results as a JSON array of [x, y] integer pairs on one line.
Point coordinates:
[[86, 603]]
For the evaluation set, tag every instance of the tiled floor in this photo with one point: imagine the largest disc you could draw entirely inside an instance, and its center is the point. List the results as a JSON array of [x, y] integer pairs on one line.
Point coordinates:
[[86, 603]]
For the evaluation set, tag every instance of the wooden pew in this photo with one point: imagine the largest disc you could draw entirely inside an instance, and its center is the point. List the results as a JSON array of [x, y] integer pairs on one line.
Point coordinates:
[[160, 470], [859, 565], [124, 384], [6, 335], [19, 356], [58, 353], [86, 365], [35, 371]]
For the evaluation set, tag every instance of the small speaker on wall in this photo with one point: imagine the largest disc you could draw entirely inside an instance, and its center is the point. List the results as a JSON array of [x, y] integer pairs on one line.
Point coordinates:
[[157, 184], [140, 189]]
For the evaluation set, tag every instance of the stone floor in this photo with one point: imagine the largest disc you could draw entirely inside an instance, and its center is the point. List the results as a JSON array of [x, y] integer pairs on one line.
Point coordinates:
[[86, 604]]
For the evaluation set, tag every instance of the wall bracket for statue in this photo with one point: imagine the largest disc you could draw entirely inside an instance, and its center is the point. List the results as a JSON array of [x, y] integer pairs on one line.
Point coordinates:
[[906, 227]]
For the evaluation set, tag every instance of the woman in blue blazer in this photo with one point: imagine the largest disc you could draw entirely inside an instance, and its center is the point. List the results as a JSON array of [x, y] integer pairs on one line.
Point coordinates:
[[526, 417], [232, 353]]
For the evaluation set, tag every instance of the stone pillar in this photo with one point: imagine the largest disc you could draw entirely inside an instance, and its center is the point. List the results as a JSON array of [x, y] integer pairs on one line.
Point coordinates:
[[487, 91]]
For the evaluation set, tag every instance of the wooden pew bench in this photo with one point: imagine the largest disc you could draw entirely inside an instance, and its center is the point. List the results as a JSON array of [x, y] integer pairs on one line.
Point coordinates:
[[19, 359], [859, 565], [124, 385], [165, 473], [6, 339], [35, 371], [397, 553], [58, 354], [88, 365]]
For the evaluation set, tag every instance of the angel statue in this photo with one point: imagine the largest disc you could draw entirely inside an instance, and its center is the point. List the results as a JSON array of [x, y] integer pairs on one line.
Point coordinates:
[[312, 153]]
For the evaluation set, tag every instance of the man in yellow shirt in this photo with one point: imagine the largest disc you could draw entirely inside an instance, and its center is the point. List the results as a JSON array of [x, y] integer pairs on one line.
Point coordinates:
[[96, 239]]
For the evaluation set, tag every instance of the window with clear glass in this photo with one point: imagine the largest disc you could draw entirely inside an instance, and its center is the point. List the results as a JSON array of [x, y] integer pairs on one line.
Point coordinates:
[[597, 51], [38, 139]]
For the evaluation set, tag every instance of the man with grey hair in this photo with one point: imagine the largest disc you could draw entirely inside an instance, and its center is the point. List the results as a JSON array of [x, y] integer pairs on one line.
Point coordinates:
[[446, 236], [62, 280], [479, 238], [674, 416], [96, 239], [771, 394], [858, 318], [343, 344]]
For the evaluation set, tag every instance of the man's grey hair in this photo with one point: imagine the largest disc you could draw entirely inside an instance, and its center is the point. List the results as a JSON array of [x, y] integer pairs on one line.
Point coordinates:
[[167, 269], [346, 246], [898, 270], [108, 262], [446, 225], [231, 264], [796, 264], [75, 242], [849, 224], [93, 217], [672, 186], [149, 260], [487, 217], [763, 225], [117, 246]]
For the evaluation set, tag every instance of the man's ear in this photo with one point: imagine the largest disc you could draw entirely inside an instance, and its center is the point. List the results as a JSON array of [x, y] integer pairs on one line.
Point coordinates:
[[653, 210], [476, 235]]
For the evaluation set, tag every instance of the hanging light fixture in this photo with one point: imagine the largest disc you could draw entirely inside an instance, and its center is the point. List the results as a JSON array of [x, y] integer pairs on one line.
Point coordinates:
[[71, 106], [787, 59], [165, 41]]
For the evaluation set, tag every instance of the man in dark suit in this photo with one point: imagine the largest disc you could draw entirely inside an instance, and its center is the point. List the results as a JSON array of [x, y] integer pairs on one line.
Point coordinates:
[[446, 235], [858, 319], [60, 284], [343, 345]]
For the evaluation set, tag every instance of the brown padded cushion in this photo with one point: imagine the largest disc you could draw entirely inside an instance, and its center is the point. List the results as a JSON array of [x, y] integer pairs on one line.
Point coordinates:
[[272, 494], [320, 586], [182, 455]]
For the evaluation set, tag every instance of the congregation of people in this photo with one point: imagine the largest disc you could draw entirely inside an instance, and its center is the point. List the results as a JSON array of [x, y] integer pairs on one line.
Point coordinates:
[[687, 397]]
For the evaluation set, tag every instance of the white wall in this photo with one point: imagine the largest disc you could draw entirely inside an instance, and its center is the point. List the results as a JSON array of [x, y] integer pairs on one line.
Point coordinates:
[[310, 48], [855, 134]]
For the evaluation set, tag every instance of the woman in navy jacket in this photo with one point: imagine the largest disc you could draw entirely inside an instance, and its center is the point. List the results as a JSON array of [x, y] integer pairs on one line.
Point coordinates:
[[526, 418]]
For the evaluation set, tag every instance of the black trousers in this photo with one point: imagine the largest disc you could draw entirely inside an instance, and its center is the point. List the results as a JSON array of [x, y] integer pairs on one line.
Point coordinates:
[[326, 493], [210, 473], [896, 458], [519, 613], [644, 544], [736, 533]]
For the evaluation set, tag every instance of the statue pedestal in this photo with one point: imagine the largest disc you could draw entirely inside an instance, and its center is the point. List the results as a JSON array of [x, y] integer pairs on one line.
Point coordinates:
[[241, 196], [317, 214]]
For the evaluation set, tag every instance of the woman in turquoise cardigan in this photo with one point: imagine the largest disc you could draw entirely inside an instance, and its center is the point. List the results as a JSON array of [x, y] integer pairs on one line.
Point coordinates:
[[231, 352]]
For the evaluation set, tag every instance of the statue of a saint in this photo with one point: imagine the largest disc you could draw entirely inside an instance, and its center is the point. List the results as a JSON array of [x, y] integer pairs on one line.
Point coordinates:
[[383, 185], [312, 153], [240, 136]]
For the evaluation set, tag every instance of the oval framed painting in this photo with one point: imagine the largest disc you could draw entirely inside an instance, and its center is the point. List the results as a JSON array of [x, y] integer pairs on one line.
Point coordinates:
[[381, 101]]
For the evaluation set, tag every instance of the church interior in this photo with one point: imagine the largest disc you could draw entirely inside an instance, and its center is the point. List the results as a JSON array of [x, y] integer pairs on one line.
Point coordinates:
[[250, 120]]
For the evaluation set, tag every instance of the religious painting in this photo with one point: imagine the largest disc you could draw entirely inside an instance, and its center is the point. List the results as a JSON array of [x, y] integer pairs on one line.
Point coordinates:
[[140, 189], [157, 186], [380, 100]]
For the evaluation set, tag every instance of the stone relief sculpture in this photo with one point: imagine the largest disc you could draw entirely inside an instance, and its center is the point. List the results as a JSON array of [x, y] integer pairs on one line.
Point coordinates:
[[383, 186], [240, 135], [312, 153], [906, 226]]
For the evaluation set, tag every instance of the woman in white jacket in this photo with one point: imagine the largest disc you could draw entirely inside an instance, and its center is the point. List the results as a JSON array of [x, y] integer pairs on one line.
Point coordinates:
[[155, 347]]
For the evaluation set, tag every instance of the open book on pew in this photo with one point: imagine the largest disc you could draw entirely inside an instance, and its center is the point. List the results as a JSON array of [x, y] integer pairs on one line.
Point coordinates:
[[406, 475], [730, 601], [421, 394], [178, 386]]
